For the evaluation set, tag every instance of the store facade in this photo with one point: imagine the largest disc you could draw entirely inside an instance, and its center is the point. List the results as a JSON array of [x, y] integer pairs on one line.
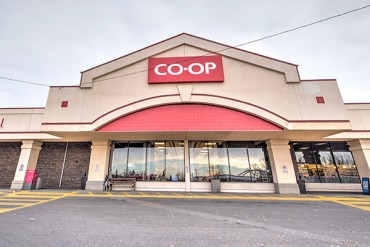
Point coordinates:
[[185, 111]]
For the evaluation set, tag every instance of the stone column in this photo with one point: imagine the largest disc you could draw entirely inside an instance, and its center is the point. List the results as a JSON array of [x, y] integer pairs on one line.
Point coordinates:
[[187, 166], [27, 161], [361, 153], [99, 163], [282, 167]]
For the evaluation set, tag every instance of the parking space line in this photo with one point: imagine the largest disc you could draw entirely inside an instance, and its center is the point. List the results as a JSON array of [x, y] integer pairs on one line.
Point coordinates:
[[22, 199], [25, 199], [13, 203], [4, 210]]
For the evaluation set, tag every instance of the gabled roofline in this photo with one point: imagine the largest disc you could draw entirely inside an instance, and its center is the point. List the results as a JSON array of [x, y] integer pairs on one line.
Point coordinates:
[[290, 70], [194, 36]]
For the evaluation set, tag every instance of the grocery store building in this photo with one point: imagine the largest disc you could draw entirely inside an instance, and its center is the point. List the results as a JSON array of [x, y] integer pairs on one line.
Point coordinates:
[[180, 113]]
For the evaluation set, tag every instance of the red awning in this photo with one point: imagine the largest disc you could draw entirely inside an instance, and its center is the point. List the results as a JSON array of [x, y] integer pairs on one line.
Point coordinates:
[[188, 117]]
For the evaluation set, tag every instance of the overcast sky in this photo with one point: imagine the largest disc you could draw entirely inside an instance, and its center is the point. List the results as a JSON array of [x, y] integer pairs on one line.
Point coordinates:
[[51, 41]]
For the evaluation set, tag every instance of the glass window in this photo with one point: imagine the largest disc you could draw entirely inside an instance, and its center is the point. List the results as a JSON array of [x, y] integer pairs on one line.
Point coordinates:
[[333, 162], [346, 167], [239, 163], [175, 161], [156, 169], [218, 160], [199, 160], [305, 162], [119, 160], [325, 162], [229, 161], [136, 161], [259, 169]]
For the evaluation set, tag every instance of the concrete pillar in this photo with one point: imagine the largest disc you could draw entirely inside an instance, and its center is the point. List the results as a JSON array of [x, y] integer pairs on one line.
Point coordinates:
[[187, 166], [361, 153], [27, 161], [282, 167], [99, 163]]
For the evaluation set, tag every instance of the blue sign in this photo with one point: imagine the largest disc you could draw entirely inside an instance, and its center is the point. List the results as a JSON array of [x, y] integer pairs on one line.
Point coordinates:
[[365, 185]]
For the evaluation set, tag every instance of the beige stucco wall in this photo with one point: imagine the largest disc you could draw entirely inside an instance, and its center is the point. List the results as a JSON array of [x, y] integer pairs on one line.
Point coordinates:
[[263, 92], [21, 119], [359, 115]]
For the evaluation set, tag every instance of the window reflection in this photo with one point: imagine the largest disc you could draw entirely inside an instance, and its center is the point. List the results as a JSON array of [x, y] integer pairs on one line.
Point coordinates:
[[228, 161], [346, 167], [199, 169], [218, 161], [119, 161], [156, 168], [175, 161], [136, 161], [149, 161], [327, 162], [240, 170]]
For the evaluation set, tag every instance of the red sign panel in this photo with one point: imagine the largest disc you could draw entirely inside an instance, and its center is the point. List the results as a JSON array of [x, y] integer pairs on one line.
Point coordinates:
[[31, 176], [185, 69]]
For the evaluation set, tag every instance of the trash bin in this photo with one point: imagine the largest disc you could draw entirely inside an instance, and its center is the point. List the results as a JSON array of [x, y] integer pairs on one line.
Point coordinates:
[[83, 182], [365, 186], [302, 186], [215, 185], [38, 183]]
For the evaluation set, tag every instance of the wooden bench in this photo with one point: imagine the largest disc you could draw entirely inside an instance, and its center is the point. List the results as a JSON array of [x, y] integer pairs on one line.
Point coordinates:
[[123, 184]]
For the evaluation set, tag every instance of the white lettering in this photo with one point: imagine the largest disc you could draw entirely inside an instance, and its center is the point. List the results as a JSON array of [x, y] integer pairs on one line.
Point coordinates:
[[201, 68], [177, 69], [156, 69], [181, 69], [210, 66]]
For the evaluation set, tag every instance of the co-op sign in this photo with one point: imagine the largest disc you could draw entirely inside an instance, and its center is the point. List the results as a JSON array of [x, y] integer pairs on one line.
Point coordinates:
[[185, 69]]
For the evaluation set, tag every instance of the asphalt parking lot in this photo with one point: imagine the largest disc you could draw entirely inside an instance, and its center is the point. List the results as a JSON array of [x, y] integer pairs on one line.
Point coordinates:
[[81, 218]]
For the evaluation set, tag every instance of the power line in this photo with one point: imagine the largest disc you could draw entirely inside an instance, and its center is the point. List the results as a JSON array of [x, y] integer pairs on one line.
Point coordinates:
[[227, 48], [27, 82]]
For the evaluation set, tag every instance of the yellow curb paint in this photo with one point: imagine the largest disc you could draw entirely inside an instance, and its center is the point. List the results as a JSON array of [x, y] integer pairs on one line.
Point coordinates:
[[160, 194], [90, 193], [191, 194], [177, 194]]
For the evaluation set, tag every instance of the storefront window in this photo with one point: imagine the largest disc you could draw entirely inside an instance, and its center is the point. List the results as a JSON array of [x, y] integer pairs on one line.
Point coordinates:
[[305, 162], [136, 161], [218, 161], [119, 160], [346, 165], [199, 160], [149, 161], [240, 170], [259, 170], [326, 162], [156, 169], [229, 162], [175, 161]]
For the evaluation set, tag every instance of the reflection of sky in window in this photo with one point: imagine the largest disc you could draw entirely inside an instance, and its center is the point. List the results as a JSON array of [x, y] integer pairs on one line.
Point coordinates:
[[199, 161], [238, 160], [257, 159], [119, 161]]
